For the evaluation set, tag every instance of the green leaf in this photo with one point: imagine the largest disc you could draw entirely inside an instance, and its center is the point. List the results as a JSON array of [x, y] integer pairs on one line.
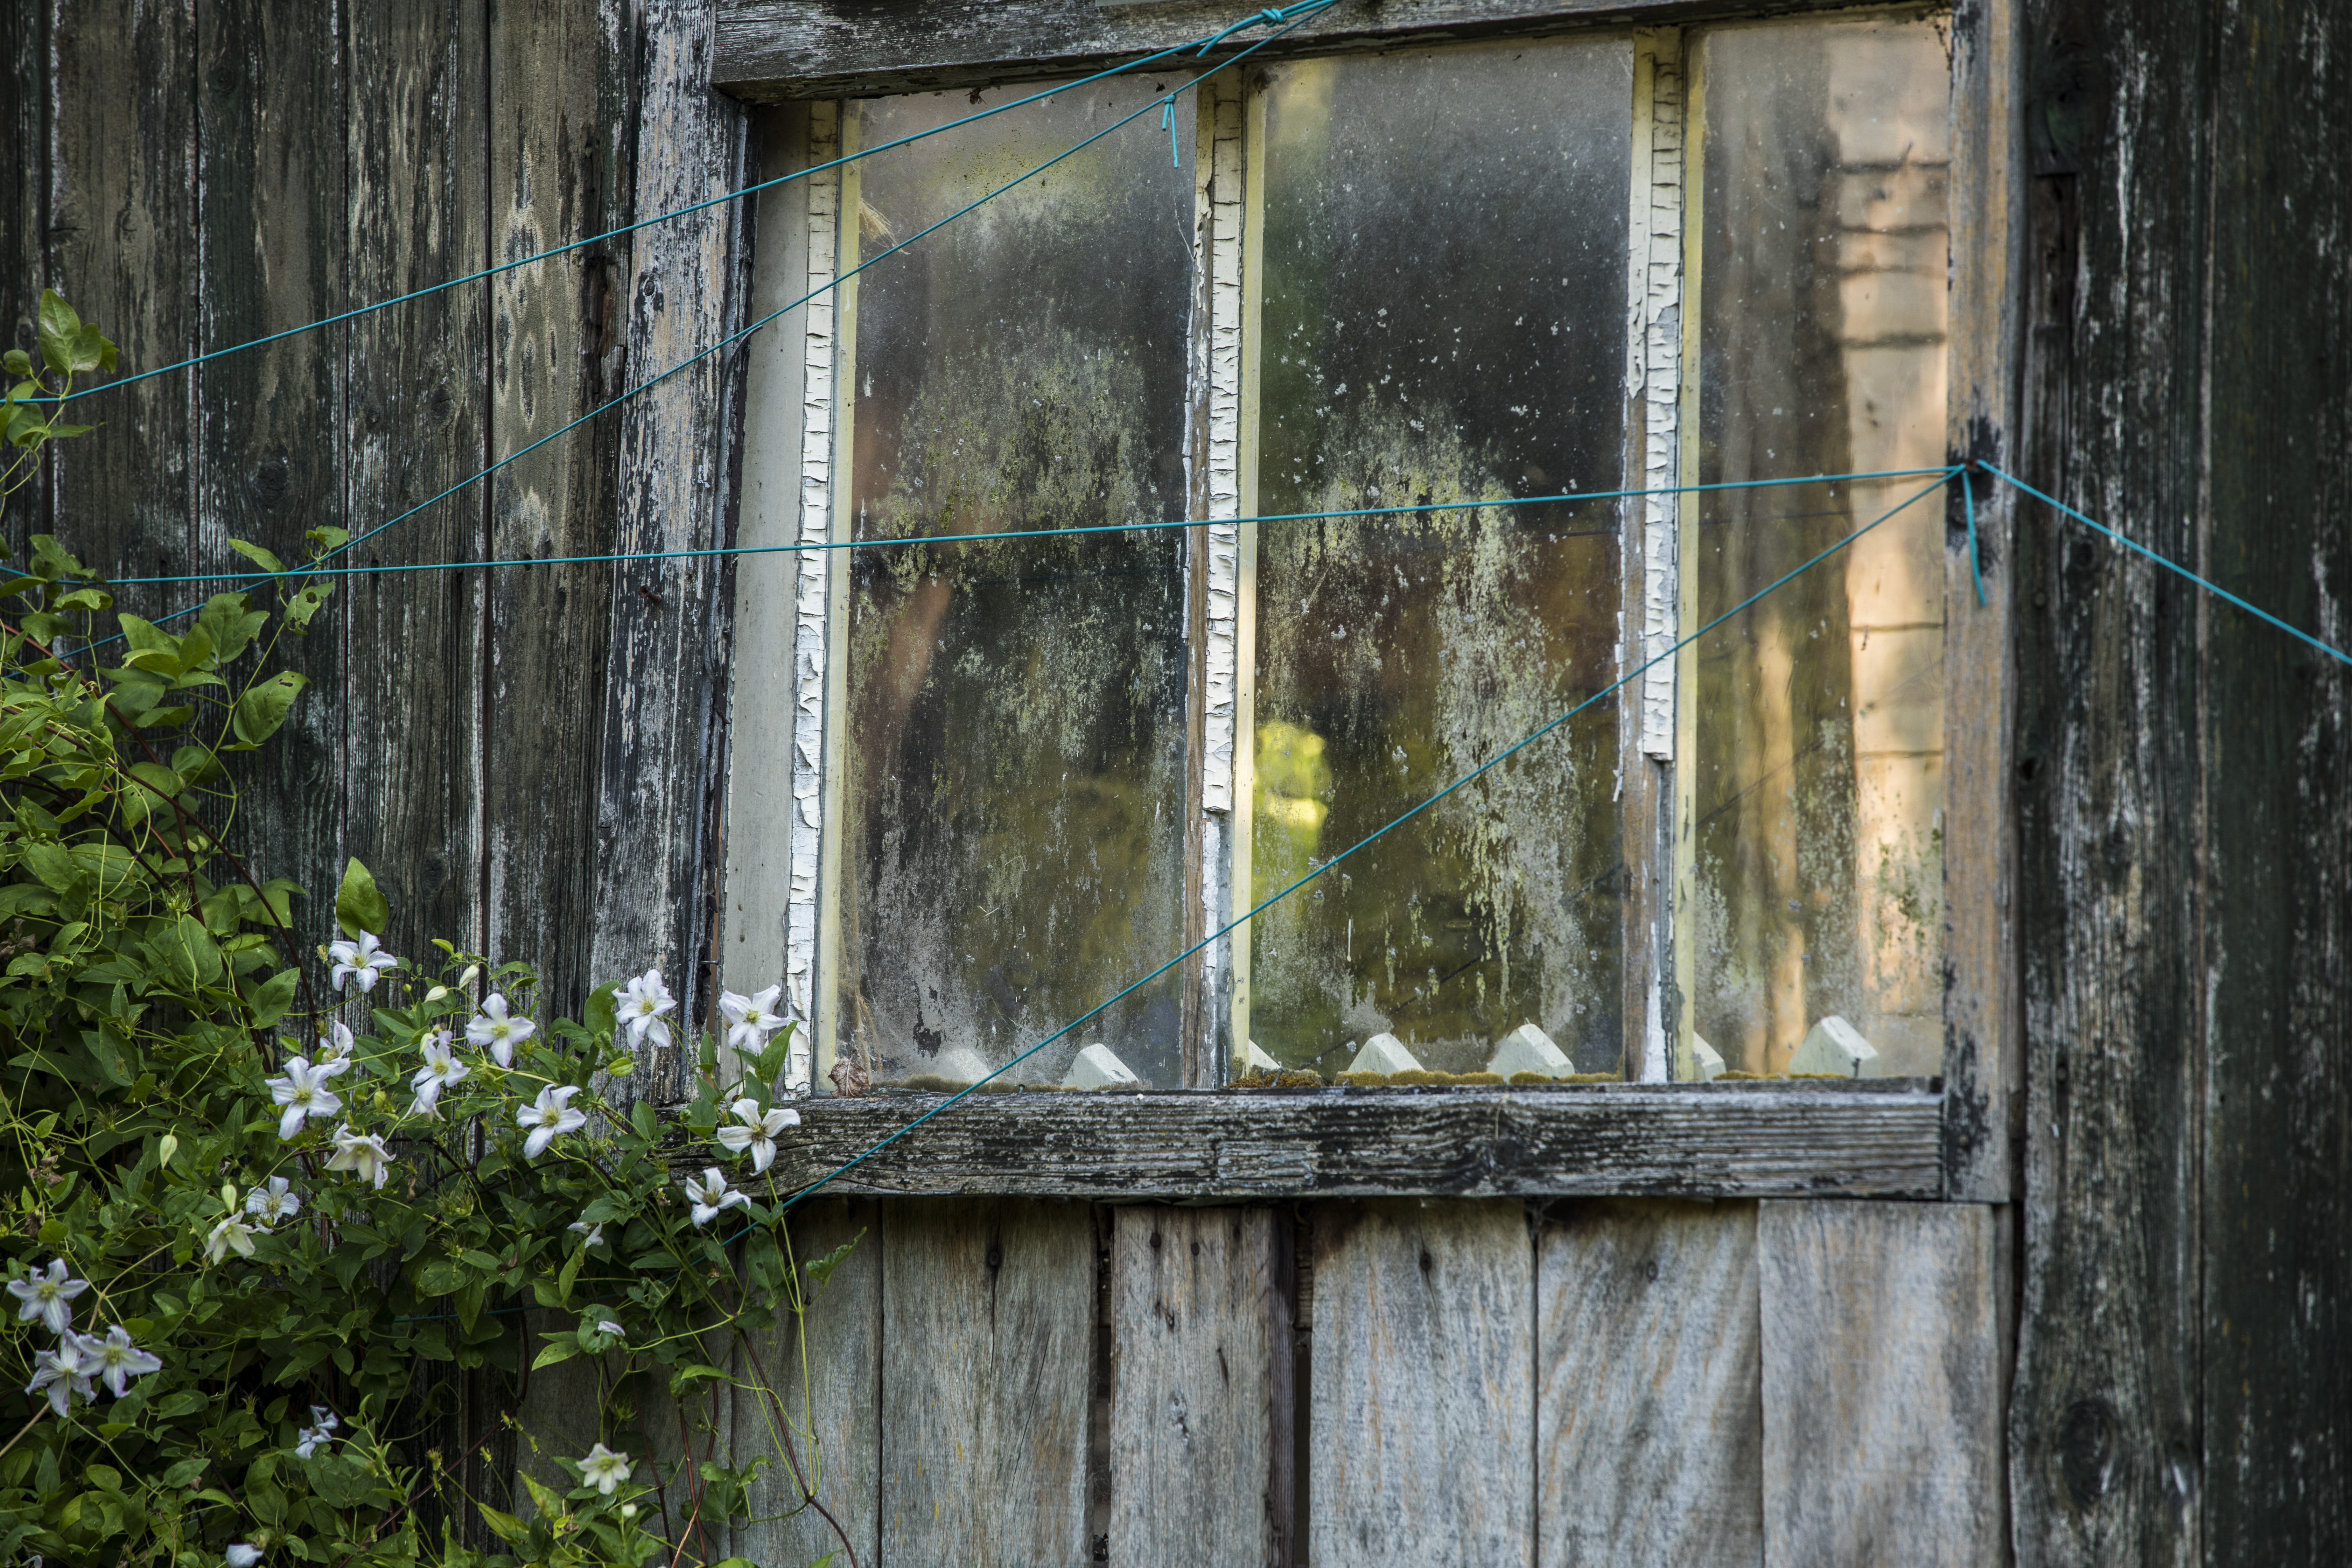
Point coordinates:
[[264, 559], [820, 1269], [90, 350], [16, 362], [505, 1526], [57, 329], [273, 997], [264, 707], [602, 1015], [559, 1347], [190, 952], [438, 1275], [357, 906], [54, 865]]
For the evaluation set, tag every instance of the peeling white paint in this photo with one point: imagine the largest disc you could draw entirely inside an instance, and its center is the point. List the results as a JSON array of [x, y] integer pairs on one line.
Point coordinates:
[[1225, 212], [1657, 304]]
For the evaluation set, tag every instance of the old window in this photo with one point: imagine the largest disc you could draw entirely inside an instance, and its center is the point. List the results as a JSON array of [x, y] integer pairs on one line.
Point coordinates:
[[981, 786]]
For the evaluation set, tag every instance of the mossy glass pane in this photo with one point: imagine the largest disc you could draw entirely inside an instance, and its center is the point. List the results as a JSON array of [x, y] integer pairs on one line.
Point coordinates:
[[1443, 319], [1014, 762], [1819, 795]]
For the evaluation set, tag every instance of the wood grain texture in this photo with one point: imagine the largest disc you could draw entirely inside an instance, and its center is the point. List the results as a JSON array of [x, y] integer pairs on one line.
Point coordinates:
[[1648, 1424], [1197, 1325], [411, 692], [2276, 1162], [24, 220], [1688, 1142], [1882, 1385], [122, 205], [1984, 1101], [988, 1329], [561, 137], [826, 1375], [1424, 1407], [656, 811], [2106, 1422], [771, 49], [270, 431]]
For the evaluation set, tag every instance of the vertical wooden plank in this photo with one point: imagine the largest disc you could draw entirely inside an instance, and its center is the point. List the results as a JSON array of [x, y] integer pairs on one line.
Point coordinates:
[[562, 80], [271, 434], [659, 777], [1882, 1385], [1423, 1405], [23, 222], [1196, 1322], [1649, 1421], [2106, 1426], [1984, 1102], [988, 1328], [2277, 1179], [827, 1378], [122, 208], [417, 387]]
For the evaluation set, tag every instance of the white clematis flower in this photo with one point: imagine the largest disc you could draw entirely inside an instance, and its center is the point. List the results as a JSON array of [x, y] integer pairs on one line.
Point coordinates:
[[362, 1155], [709, 1194], [751, 1020], [48, 1297], [115, 1360], [546, 1116], [303, 1092], [603, 1469], [273, 1202], [232, 1235], [498, 1034], [757, 1133], [441, 1070], [641, 1004], [64, 1373], [334, 1046], [240, 1555], [310, 1438], [594, 1232], [362, 961]]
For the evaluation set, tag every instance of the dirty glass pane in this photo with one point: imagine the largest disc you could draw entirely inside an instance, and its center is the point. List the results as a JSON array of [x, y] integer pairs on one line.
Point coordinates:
[[1014, 761], [1443, 319], [1818, 871]]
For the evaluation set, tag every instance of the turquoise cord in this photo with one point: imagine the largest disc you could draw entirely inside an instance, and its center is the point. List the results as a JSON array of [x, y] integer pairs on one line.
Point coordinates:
[[504, 267], [2215, 588], [1945, 477]]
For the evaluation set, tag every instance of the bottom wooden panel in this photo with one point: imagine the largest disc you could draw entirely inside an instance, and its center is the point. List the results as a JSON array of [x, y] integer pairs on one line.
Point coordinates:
[[1423, 1389], [1200, 1389], [1882, 1385], [1650, 1428], [987, 1358], [821, 1427]]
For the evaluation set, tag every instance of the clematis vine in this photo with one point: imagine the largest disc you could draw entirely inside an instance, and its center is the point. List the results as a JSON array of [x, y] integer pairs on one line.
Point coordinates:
[[497, 1033], [441, 1070], [273, 1201], [48, 1297], [303, 1092], [603, 1469], [114, 1360], [640, 1004], [751, 1020], [755, 1132], [64, 1373], [364, 1155], [232, 1235], [548, 1115], [362, 961], [709, 1194]]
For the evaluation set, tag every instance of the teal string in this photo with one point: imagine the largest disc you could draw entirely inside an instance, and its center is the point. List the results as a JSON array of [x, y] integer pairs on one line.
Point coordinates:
[[1976, 568], [732, 550], [2173, 566], [740, 332], [625, 229], [1944, 477]]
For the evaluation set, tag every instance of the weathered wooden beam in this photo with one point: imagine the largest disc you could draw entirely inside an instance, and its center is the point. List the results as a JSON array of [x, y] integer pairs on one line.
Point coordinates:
[[1687, 1140], [768, 50]]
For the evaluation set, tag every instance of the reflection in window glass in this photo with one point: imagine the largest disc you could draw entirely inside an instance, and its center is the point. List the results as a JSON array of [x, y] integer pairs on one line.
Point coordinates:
[[1013, 768], [1443, 319], [1818, 874]]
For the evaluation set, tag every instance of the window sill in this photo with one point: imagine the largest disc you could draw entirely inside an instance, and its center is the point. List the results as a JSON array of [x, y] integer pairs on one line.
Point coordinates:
[[1748, 1139]]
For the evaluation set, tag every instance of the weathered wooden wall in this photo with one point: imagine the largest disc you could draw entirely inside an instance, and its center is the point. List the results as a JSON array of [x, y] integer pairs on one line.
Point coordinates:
[[1460, 1380]]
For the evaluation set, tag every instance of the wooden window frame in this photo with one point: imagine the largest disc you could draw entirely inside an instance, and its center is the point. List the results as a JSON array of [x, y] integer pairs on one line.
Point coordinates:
[[1952, 1140]]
